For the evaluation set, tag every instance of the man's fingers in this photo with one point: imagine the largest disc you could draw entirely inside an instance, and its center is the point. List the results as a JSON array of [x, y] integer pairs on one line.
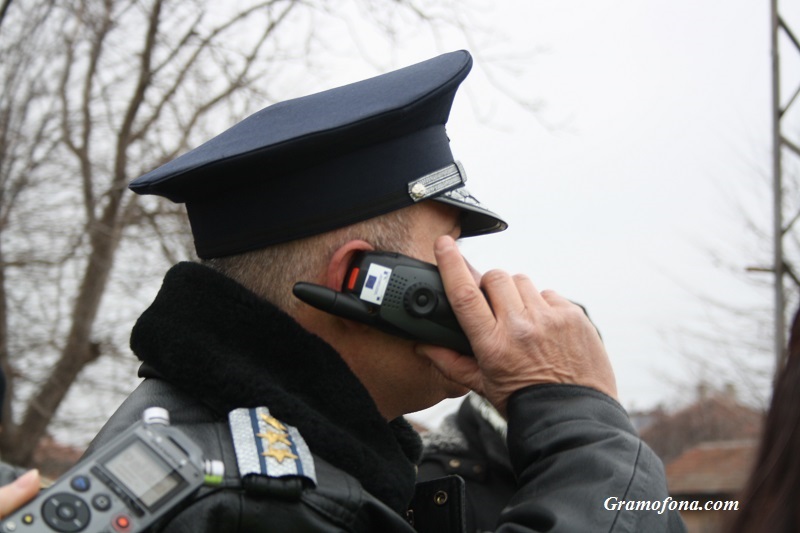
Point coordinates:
[[475, 274], [452, 365], [464, 294], [503, 294], [530, 295], [519, 336], [556, 300]]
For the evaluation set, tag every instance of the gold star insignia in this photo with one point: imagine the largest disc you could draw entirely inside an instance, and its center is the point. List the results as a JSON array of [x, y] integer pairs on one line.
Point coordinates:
[[273, 437], [279, 454], [274, 422]]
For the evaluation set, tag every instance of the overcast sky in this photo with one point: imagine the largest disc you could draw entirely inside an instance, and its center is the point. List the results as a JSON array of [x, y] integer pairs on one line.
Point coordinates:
[[622, 192]]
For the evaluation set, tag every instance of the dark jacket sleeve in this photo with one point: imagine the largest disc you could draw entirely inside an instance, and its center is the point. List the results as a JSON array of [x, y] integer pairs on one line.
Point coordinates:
[[572, 449]]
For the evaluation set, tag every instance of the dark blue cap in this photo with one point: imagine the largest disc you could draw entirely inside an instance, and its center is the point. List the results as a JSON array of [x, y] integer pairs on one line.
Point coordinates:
[[324, 161]]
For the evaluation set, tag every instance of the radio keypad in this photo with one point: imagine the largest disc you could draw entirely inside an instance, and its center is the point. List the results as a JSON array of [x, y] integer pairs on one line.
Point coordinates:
[[65, 512]]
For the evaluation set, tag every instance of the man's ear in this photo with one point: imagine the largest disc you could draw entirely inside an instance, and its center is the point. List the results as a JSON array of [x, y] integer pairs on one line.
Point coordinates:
[[341, 259]]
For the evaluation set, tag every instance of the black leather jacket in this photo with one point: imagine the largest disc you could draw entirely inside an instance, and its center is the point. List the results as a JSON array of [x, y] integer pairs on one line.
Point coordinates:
[[337, 503], [571, 446], [209, 346]]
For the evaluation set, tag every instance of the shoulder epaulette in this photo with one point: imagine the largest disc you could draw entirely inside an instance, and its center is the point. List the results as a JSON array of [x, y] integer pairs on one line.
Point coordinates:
[[267, 447]]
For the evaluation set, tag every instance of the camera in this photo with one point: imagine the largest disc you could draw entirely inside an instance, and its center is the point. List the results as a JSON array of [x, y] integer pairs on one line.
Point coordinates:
[[395, 293]]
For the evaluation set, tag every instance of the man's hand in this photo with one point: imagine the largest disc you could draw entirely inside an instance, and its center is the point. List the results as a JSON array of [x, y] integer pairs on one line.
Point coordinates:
[[14, 495], [520, 337]]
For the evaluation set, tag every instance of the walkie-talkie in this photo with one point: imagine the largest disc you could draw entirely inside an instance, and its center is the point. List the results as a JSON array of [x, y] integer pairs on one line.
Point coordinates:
[[398, 294]]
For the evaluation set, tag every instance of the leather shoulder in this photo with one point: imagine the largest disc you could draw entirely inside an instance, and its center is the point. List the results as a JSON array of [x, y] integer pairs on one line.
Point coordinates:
[[337, 502]]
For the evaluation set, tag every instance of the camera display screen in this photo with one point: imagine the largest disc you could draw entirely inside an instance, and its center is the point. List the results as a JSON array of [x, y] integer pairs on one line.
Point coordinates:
[[145, 476]]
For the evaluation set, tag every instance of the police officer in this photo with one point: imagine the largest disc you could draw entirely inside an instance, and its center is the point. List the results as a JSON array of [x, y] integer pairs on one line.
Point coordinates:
[[304, 407]]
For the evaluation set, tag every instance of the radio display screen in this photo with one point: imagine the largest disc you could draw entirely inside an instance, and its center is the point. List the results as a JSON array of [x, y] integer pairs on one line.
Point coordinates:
[[146, 476]]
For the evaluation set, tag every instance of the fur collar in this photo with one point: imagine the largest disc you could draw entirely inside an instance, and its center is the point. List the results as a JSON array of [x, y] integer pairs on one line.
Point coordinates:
[[476, 430], [213, 338]]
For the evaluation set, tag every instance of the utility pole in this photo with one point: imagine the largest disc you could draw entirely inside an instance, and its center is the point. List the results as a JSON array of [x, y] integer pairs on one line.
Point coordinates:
[[779, 142]]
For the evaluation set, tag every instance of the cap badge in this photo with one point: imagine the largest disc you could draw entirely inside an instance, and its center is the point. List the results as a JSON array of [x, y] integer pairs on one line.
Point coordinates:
[[436, 182]]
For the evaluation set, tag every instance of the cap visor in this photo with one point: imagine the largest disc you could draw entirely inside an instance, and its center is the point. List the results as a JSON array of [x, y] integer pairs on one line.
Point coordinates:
[[475, 219]]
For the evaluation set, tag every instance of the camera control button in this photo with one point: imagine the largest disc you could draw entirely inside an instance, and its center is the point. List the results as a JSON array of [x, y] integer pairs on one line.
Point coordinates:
[[122, 523], [101, 502], [65, 512], [80, 483]]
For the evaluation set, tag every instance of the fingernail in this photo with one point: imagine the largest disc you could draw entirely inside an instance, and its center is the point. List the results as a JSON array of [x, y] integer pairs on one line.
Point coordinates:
[[444, 243]]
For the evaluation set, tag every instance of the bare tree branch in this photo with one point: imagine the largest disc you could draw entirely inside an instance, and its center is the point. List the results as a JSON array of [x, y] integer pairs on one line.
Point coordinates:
[[94, 93]]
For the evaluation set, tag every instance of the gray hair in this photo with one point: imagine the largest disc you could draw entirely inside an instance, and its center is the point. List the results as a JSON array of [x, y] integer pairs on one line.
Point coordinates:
[[271, 272]]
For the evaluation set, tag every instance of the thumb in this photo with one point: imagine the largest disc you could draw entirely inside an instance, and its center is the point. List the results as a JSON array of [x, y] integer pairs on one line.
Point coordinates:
[[14, 495], [458, 368]]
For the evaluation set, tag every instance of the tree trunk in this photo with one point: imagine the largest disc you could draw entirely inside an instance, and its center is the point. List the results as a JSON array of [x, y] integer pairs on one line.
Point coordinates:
[[77, 352]]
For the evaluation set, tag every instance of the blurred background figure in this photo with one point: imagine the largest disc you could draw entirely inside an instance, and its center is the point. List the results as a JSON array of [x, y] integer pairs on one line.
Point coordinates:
[[769, 501], [471, 443]]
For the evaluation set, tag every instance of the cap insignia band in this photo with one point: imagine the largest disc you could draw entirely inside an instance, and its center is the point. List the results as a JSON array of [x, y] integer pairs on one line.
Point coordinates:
[[265, 446], [434, 183]]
